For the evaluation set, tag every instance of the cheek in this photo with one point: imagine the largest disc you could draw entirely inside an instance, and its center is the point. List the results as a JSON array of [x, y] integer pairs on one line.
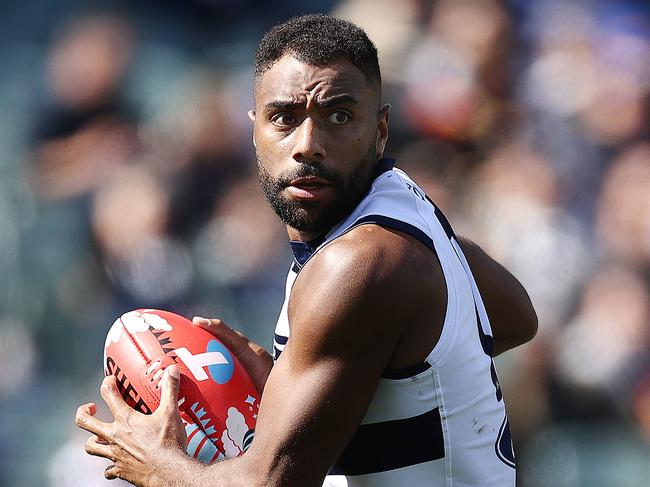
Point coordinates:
[[350, 140], [271, 144], [361, 143]]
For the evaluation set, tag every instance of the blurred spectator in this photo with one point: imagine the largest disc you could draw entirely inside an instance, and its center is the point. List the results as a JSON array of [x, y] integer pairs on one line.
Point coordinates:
[[610, 328], [130, 222], [393, 27], [624, 206], [198, 142], [243, 238], [457, 71], [83, 130]]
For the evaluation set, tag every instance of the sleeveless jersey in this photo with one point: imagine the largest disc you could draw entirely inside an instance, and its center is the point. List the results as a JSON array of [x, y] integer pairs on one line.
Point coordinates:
[[443, 422]]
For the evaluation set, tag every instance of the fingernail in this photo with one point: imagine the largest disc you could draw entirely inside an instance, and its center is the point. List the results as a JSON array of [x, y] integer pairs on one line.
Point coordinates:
[[173, 371], [197, 320]]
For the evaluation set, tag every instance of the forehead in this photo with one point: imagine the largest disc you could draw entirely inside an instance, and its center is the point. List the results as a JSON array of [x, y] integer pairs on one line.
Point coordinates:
[[291, 79]]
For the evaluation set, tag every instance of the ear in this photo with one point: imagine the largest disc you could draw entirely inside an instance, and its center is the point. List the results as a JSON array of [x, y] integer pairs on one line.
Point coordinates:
[[251, 115], [382, 129]]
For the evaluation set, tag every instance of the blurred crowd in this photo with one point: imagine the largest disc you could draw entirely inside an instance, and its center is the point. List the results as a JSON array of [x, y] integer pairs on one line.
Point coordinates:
[[130, 182]]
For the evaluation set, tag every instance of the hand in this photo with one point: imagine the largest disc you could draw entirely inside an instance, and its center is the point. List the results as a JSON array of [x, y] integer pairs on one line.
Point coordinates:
[[257, 361], [140, 446]]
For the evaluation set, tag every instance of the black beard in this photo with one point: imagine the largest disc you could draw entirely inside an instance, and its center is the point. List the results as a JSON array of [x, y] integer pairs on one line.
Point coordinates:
[[306, 217]]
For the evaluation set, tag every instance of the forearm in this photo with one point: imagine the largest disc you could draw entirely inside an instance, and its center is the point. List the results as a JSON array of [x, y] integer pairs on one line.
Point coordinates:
[[505, 343], [176, 469], [517, 325]]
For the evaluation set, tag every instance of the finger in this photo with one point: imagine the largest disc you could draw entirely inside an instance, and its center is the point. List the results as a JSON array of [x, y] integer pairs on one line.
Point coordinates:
[[200, 321], [113, 398], [169, 386], [102, 440], [98, 447], [214, 325], [85, 420], [232, 339], [111, 472]]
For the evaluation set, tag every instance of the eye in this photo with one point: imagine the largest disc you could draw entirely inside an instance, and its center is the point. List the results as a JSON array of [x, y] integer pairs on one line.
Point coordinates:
[[339, 117], [284, 119]]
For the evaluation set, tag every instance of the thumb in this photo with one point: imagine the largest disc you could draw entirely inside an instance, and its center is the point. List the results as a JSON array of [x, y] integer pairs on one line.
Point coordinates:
[[169, 386]]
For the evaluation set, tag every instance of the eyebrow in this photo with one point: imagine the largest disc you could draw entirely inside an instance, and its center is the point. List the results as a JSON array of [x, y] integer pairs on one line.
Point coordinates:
[[323, 104]]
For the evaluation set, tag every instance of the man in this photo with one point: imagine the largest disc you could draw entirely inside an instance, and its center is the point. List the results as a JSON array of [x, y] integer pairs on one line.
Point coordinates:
[[383, 348]]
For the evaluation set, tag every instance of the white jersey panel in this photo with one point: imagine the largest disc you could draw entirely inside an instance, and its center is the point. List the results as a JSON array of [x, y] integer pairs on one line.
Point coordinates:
[[444, 424]]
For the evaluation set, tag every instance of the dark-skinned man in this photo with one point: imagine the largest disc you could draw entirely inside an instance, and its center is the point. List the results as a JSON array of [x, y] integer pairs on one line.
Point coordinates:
[[382, 372]]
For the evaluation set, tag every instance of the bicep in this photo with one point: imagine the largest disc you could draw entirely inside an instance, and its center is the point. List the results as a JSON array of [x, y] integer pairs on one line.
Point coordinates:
[[309, 412], [512, 316], [343, 333]]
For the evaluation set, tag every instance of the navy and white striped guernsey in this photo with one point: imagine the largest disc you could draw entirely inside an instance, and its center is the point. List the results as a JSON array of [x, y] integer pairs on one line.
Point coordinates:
[[443, 423]]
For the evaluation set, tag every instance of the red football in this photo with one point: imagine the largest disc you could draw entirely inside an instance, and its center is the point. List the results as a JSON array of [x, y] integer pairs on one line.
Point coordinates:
[[217, 400]]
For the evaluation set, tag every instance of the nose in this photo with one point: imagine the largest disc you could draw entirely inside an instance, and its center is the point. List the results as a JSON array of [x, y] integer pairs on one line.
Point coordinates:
[[309, 144]]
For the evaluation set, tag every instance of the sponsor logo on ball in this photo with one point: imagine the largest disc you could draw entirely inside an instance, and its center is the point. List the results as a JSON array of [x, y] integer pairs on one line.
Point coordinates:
[[216, 358]]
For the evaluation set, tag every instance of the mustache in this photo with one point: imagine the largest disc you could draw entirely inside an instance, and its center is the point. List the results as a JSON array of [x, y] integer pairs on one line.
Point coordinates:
[[306, 170]]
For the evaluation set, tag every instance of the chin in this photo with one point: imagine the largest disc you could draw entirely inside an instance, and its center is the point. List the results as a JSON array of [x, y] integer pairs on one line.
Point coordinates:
[[312, 218]]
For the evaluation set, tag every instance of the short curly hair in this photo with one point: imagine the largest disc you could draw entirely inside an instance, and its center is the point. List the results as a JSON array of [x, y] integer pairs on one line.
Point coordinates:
[[318, 39]]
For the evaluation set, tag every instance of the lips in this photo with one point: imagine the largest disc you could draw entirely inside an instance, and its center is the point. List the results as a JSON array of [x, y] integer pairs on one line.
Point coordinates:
[[309, 182], [309, 188]]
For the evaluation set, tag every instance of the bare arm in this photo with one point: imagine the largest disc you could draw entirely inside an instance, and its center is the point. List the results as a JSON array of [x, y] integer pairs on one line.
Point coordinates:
[[344, 330], [512, 316]]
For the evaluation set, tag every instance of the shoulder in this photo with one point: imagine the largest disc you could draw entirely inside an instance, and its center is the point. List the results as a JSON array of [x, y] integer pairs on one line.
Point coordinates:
[[371, 255], [373, 275]]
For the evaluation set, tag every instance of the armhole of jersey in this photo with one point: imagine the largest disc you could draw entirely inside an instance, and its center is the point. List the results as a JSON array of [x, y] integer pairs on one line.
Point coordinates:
[[406, 372], [444, 234], [449, 329], [482, 316]]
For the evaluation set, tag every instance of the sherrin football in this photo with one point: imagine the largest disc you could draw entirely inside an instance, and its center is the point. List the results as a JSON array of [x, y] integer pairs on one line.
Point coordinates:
[[217, 400]]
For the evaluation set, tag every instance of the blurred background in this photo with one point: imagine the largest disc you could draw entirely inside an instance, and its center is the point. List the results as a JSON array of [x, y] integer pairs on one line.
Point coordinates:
[[128, 180]]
